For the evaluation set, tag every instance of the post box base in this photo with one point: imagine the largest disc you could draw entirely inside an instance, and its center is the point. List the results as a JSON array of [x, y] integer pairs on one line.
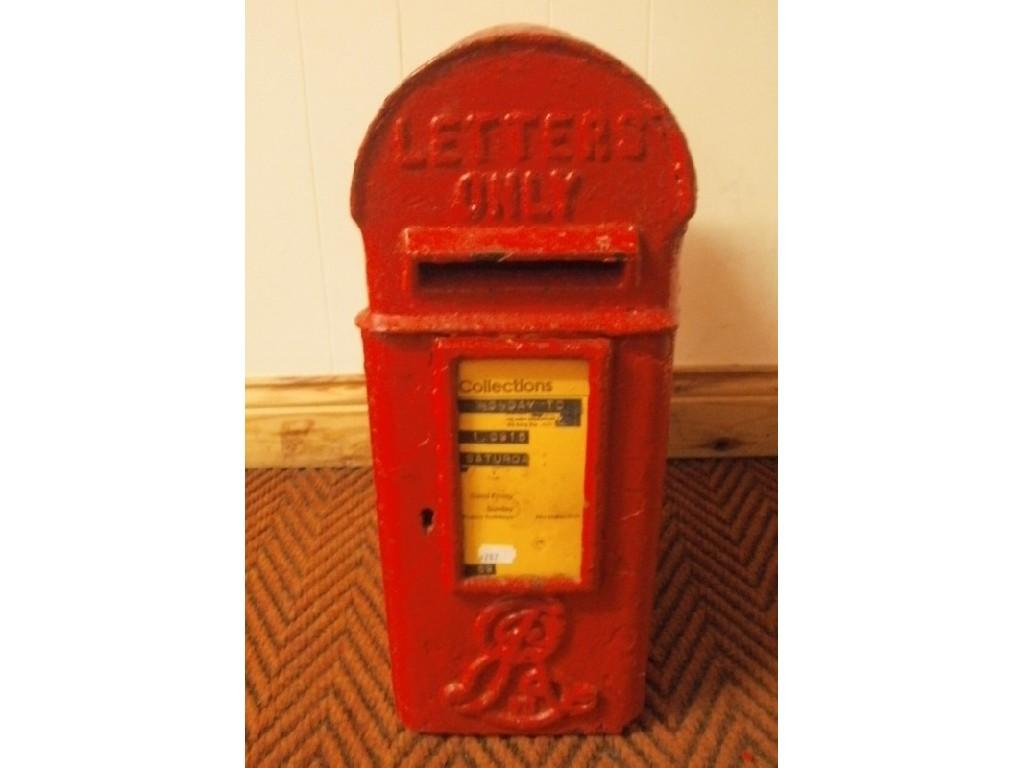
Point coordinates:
[[603, 720]]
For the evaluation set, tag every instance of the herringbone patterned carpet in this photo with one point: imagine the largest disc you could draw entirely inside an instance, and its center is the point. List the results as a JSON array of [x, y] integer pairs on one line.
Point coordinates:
[[316, 664]]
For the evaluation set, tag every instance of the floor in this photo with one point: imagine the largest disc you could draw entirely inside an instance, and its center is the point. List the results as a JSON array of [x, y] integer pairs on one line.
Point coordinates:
[[317, 688]]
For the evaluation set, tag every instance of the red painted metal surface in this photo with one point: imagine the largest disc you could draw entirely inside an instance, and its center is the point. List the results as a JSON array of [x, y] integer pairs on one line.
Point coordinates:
[[522, 195]]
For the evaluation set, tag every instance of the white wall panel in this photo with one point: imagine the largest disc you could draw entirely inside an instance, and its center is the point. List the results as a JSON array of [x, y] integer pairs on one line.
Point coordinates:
[[715, 65], [285, 312], [351, 55], [617, 26], [429, 27]]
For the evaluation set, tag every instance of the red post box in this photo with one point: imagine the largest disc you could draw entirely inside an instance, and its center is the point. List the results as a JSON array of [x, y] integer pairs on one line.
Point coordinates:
[[521, 198]]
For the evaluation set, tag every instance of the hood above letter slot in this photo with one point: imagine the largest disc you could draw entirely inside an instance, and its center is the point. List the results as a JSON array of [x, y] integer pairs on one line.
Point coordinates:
[[601, 243]]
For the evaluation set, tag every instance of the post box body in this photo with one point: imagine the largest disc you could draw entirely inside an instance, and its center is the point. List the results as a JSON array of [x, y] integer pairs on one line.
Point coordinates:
[[521, 199]]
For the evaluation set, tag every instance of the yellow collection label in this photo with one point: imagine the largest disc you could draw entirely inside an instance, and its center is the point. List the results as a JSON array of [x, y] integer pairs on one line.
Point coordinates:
[[522, 453]]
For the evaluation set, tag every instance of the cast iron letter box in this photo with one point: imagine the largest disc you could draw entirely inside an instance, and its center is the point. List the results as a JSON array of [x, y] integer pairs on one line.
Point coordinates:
[[521, 199]]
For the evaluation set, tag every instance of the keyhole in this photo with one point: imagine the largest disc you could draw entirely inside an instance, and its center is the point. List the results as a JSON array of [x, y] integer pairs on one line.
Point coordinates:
[[427, 519]]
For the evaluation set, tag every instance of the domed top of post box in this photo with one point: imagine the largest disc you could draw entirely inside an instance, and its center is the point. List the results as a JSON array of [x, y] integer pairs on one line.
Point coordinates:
[[521, 171]]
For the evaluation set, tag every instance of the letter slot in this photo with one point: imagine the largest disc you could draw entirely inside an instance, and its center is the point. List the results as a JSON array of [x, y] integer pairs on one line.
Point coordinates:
[[517, 257]]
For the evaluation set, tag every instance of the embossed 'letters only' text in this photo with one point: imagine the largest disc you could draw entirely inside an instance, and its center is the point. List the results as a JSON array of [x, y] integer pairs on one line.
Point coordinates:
[[520, 165]]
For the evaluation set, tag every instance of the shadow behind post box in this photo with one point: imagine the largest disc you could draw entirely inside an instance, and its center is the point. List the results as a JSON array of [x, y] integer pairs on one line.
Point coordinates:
[[521, 199]]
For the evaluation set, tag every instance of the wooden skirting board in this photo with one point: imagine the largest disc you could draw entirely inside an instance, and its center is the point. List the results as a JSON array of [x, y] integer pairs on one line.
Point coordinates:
[[321, 421]]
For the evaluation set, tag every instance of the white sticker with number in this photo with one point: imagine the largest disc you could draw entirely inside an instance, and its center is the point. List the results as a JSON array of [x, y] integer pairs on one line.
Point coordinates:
[[499, 554]]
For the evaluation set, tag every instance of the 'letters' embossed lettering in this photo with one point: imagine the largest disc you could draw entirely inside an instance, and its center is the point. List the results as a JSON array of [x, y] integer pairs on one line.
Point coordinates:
[[481, 138]]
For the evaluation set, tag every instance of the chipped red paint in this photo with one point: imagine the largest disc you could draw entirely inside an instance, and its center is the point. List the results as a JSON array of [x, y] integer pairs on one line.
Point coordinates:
[[521, 195]]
